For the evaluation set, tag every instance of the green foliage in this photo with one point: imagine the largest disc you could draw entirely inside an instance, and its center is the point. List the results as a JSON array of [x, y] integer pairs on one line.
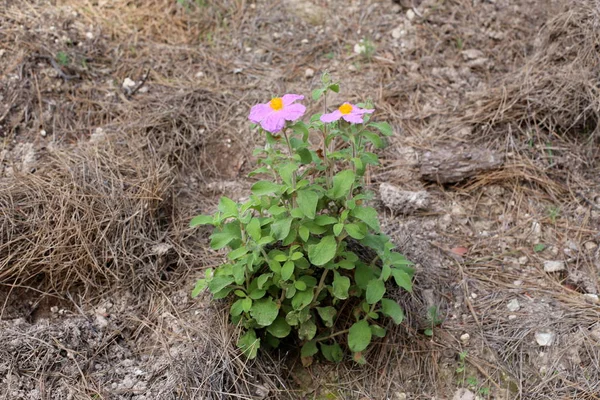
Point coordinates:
[[62, 58], [295, 248]]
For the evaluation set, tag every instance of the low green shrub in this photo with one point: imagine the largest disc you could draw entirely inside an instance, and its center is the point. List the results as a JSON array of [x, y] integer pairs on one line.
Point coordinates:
[[305, 247]]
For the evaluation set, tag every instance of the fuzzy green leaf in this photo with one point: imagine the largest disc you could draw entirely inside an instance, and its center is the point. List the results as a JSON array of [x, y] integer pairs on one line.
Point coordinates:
[[307, 201], [327, 314], [218, 283], [323, 252], [254, 230], [378, 331], [332, 353], [237, 253], [342, 183], [337, 229], [383, 127], [281, 228], [200, 286], [287, 271], [375, 291], [307, 330], [262, 188], [201, 220], [309, 349], [302, 299], [402, 279], [228, 207], [341, 284], [368, 215], [304, 233], [264, 311], [393, 310], [279, 328], [359, 336], [249, 344], [355, 231]]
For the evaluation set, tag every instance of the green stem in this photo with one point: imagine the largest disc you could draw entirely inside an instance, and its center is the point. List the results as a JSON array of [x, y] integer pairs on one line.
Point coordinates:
[[332, 335], [294, 176], [321, 284]]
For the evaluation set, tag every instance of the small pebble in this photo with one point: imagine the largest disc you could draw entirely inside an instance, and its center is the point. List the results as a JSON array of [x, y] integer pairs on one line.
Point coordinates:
[[43, 133], [511, 317], [199, 74], [590, 246], [309, 73], [591, 298], [89, 35], [465, 337], [352, 68], [523, 260], [54, 309], [544, 338], [474, 295], [304, 41], [518, 282], [513, 305], [410, 14], [554, 266], [128, 83]]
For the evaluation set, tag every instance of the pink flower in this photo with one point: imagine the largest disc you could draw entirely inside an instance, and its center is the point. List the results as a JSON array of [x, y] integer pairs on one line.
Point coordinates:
[[348, 112], [272, 115]]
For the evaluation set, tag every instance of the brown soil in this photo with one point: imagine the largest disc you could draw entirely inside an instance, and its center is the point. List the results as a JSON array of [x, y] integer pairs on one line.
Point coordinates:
[[98, 181]]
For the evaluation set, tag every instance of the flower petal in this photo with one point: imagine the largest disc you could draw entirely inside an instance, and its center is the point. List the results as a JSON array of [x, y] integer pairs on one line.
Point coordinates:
[[354, 118], [259, 112], [334, 116], [293, 112], [361, 111], [273, 122], [290, 98]]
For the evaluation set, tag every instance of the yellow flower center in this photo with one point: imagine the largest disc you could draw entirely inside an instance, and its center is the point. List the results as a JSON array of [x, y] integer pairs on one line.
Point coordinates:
[[345, 108], [276, 103]]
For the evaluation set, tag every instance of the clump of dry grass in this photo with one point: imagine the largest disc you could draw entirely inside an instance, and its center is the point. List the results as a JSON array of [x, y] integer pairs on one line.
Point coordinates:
[[97, 213], [557, 89]]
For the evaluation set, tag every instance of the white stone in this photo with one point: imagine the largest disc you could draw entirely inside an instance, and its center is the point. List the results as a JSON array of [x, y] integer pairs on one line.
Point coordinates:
[[591, 298], [398, 32], [89, 35], [472, 54], [360, 48], [513, 305], [463, 394], [309, 73], [43, 132], [128, 83], [554, 266], [511, 317], [465, 337], [54, 309], [304, 41], [518, 283], [474, 295], [410, 14], [590, 246], [523, 260], [400, 396], [544, 338], [199, 74]]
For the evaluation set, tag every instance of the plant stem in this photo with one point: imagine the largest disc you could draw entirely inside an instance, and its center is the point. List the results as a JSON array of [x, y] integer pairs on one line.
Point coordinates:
[[321, 284], [333, 335], [294, 176]]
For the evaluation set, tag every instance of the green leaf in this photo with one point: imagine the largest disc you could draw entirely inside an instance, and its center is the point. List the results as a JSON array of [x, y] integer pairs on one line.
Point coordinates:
[[309, 349], [307, 201], [332, 353], [261, 280], [335, 87], [246, 304], [249, 344], [302, 299], [201, 220], [237, 307], [383, 127], [300, 128], [375, 291], [428, 332], [309, 281], [286, 172], [317, 93], [257, 294], [378, 331], [254, 230], [279, 328], [237, 253], [368, 215], [200, 286], [393, 310], [402, 279], [264, 311], [374, 138], [355, 231], [218, 283], [359, 336], [262, 188], [287, 271], [337, 229], [220, 240], [327, 314], [281, 228], [342, 183], [323, 252], [305, 156], [304, 233], [228, 207], [363, 274], [221, 294], [539, 247], [323, 220], [341, 284], [307, 330], [300, 285]]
